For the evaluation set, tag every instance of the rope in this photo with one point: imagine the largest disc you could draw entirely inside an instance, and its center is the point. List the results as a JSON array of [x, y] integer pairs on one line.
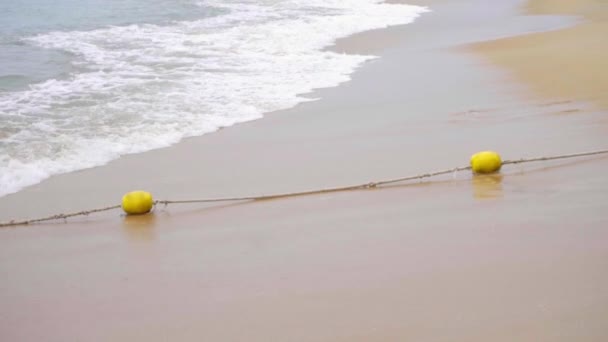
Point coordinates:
[[563, 156], [370, 185], [57, 217]]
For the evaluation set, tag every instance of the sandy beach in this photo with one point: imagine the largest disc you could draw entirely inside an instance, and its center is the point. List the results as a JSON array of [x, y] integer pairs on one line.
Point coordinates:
[[566, 64], [516, 256]]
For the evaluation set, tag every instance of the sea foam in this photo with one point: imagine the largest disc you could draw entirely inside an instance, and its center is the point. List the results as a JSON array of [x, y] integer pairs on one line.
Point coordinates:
[[139, 87]]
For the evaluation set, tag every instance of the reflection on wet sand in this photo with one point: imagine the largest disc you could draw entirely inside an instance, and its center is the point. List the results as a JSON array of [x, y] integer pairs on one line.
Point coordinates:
[[487, 186], [140, 227]]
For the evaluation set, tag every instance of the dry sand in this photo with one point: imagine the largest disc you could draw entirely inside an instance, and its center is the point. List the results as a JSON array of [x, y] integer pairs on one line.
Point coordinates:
[[570, 64], [519, 256]]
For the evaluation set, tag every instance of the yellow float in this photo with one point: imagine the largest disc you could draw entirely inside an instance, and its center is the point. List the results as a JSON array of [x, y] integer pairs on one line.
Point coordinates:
[[137, 202], [486, 162]]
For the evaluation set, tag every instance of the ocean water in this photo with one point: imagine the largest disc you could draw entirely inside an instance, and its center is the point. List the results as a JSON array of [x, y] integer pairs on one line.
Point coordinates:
[[83, 82]]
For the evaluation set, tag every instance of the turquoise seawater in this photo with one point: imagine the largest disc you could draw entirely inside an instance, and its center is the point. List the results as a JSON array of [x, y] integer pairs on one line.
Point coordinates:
[[22, 64]]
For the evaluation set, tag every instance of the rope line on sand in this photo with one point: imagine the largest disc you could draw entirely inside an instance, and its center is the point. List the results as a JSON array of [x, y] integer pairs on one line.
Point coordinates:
[[369, 185], [57, 217]]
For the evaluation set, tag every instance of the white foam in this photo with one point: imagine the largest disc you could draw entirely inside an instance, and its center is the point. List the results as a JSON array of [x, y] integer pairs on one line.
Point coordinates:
[[146, 86]]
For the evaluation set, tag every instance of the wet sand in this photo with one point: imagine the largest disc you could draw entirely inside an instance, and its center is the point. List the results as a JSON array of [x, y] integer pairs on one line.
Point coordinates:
[[517, 256]]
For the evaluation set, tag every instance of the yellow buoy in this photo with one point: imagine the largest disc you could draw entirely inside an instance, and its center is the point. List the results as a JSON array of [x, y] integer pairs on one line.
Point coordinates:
[[486, 162], [137, 202]]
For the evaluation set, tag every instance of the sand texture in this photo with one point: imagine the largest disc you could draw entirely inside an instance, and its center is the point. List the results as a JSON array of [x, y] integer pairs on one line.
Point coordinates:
[[515, 256], [569, 64]]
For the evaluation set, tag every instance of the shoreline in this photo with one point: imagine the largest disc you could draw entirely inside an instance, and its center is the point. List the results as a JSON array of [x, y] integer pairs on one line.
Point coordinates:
[[518, 249], [208, 118]]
